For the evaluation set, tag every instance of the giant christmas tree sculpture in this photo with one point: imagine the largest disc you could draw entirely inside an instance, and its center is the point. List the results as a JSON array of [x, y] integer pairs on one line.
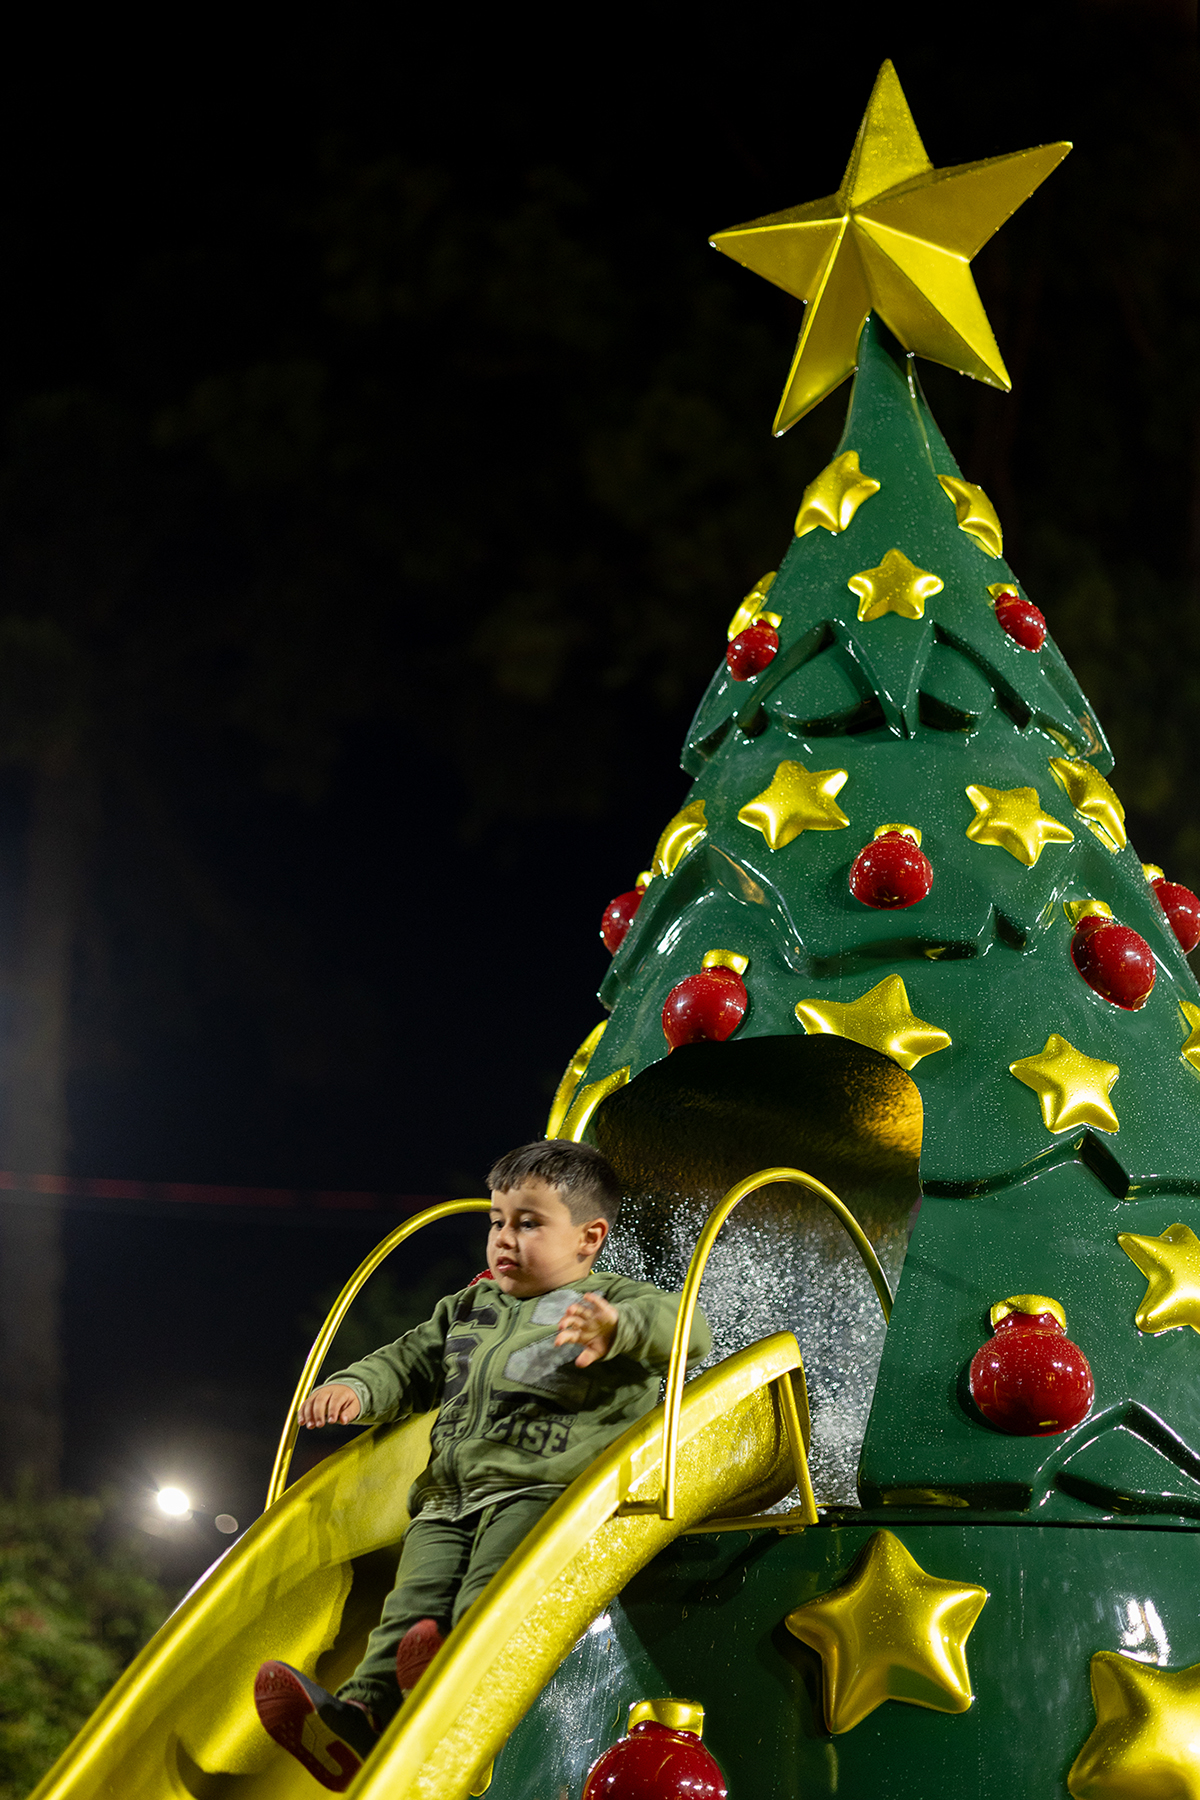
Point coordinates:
[[902, 849]]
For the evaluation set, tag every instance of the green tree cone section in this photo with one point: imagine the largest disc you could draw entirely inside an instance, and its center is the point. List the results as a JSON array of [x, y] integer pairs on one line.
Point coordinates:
[[1133, 1456], [915, 711], [705, 1622]]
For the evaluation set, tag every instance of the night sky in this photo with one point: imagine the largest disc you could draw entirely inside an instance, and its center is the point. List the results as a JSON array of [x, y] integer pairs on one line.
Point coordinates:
[[395, 450]]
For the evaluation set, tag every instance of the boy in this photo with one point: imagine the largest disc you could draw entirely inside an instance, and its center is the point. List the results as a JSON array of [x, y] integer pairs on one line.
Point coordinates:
[[535, 1368]]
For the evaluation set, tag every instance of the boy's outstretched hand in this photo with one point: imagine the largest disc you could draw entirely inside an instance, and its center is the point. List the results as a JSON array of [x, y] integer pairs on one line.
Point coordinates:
[[333, 1404], [591, 1322]]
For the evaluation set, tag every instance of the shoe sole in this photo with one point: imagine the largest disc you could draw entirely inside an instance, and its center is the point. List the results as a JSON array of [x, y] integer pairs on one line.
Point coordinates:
[[289, 1717], [412, 1662]]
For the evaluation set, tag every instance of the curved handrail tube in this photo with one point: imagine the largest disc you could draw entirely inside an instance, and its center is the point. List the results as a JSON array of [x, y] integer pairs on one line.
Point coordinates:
[[691, 1288], [328, 1331]]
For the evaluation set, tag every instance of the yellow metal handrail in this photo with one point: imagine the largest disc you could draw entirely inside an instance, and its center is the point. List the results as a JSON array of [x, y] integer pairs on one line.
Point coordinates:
[[328, 1331], [664, 1506]]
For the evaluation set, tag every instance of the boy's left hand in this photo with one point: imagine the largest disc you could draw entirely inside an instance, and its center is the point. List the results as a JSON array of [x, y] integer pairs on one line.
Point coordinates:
[[591, 1322]]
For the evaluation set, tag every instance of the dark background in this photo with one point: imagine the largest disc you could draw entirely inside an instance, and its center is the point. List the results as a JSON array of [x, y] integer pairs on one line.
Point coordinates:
[[383, 454]]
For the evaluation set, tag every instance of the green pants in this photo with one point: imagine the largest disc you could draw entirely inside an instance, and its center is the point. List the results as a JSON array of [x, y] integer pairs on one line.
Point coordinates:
[[444, 1566]]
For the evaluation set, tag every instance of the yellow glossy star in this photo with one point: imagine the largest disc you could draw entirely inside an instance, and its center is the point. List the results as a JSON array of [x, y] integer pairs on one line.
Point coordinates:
[[1073, 1088], [1093, 799], [975, 512], [751, 608], [898, 237], [1171, 1264], [882, 1020], [835, 496], [1190, 1050], [891, 1632], [1012, 819], [897, 585], [1146, 1740], [679, 835], [797, 800]]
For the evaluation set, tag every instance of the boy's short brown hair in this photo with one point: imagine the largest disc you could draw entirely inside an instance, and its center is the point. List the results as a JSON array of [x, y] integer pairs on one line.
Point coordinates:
[[586, 1183]]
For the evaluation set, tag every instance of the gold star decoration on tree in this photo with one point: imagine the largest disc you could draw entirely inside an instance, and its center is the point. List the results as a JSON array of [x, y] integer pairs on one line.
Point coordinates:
[[1012, 819], [1171, 1265], [896, 238], [897, 586], [797, 800], [890, 1632], [1190, 1049], [1093, 799], [679, 835], [975, 513], [1146, 1740], [1073, 1088], [751, 609], [832, 500], [882, 1020]]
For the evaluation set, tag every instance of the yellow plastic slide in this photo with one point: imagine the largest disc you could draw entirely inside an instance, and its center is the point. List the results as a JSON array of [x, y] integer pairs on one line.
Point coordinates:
[[307, 1581]]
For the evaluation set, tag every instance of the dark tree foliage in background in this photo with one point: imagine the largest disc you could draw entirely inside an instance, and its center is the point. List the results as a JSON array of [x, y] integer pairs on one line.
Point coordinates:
[[73, 1612]]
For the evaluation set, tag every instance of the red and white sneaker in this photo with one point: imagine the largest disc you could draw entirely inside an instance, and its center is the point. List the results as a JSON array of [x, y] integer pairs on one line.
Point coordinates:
[[416, 1650], [332, 1738]]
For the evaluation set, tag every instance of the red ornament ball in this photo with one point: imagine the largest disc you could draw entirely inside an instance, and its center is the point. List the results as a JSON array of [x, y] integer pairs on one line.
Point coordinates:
[[1031, 1380], [1114, 960], [891, 872], [656, 1763], [618, 917], [1183, 911], [751, 650], [1022, 620], [707, 1007]]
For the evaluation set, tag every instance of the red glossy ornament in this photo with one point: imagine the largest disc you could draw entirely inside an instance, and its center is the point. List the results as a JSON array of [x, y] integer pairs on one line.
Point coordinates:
[[1022, 620], [1031, 1380], [1182, 908], [618, 917], [891, 872], [655, 1763], [1114, 960], [706, 1007], [751, 650]]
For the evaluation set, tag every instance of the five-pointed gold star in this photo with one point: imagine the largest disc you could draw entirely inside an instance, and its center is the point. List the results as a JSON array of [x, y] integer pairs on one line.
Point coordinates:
[[1093, 799], [1012, 819], [797, 800], [898, 237], [1073, 1088], [1146, 1740], [882, 1020], [1190, 1049], [835, 496], [1171, 1265], [891, 1632], [897, 585], [975, 513], [750, 611], [679, 835]]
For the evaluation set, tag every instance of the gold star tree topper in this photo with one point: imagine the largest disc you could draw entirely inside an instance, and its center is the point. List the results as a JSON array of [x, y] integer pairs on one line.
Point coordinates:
[[882, 1020], [1012, 819], [797, 800], [1171, 1265], [896, 586], [898, 238], [891, 1632], [1073, 1088], [1146, 1741]]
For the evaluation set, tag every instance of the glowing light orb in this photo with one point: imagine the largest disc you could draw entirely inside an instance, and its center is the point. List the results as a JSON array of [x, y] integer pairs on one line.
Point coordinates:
[[174, 1502]]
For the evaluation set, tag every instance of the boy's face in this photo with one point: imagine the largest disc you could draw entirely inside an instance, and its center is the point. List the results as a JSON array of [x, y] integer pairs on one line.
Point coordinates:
[[534, 1245]]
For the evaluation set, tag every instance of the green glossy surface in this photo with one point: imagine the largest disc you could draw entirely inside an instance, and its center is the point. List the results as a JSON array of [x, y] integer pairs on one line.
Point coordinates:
[[704, 1622]]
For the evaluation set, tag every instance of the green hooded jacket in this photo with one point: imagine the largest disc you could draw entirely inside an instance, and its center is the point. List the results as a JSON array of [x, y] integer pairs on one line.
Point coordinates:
[[515, 1414]]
